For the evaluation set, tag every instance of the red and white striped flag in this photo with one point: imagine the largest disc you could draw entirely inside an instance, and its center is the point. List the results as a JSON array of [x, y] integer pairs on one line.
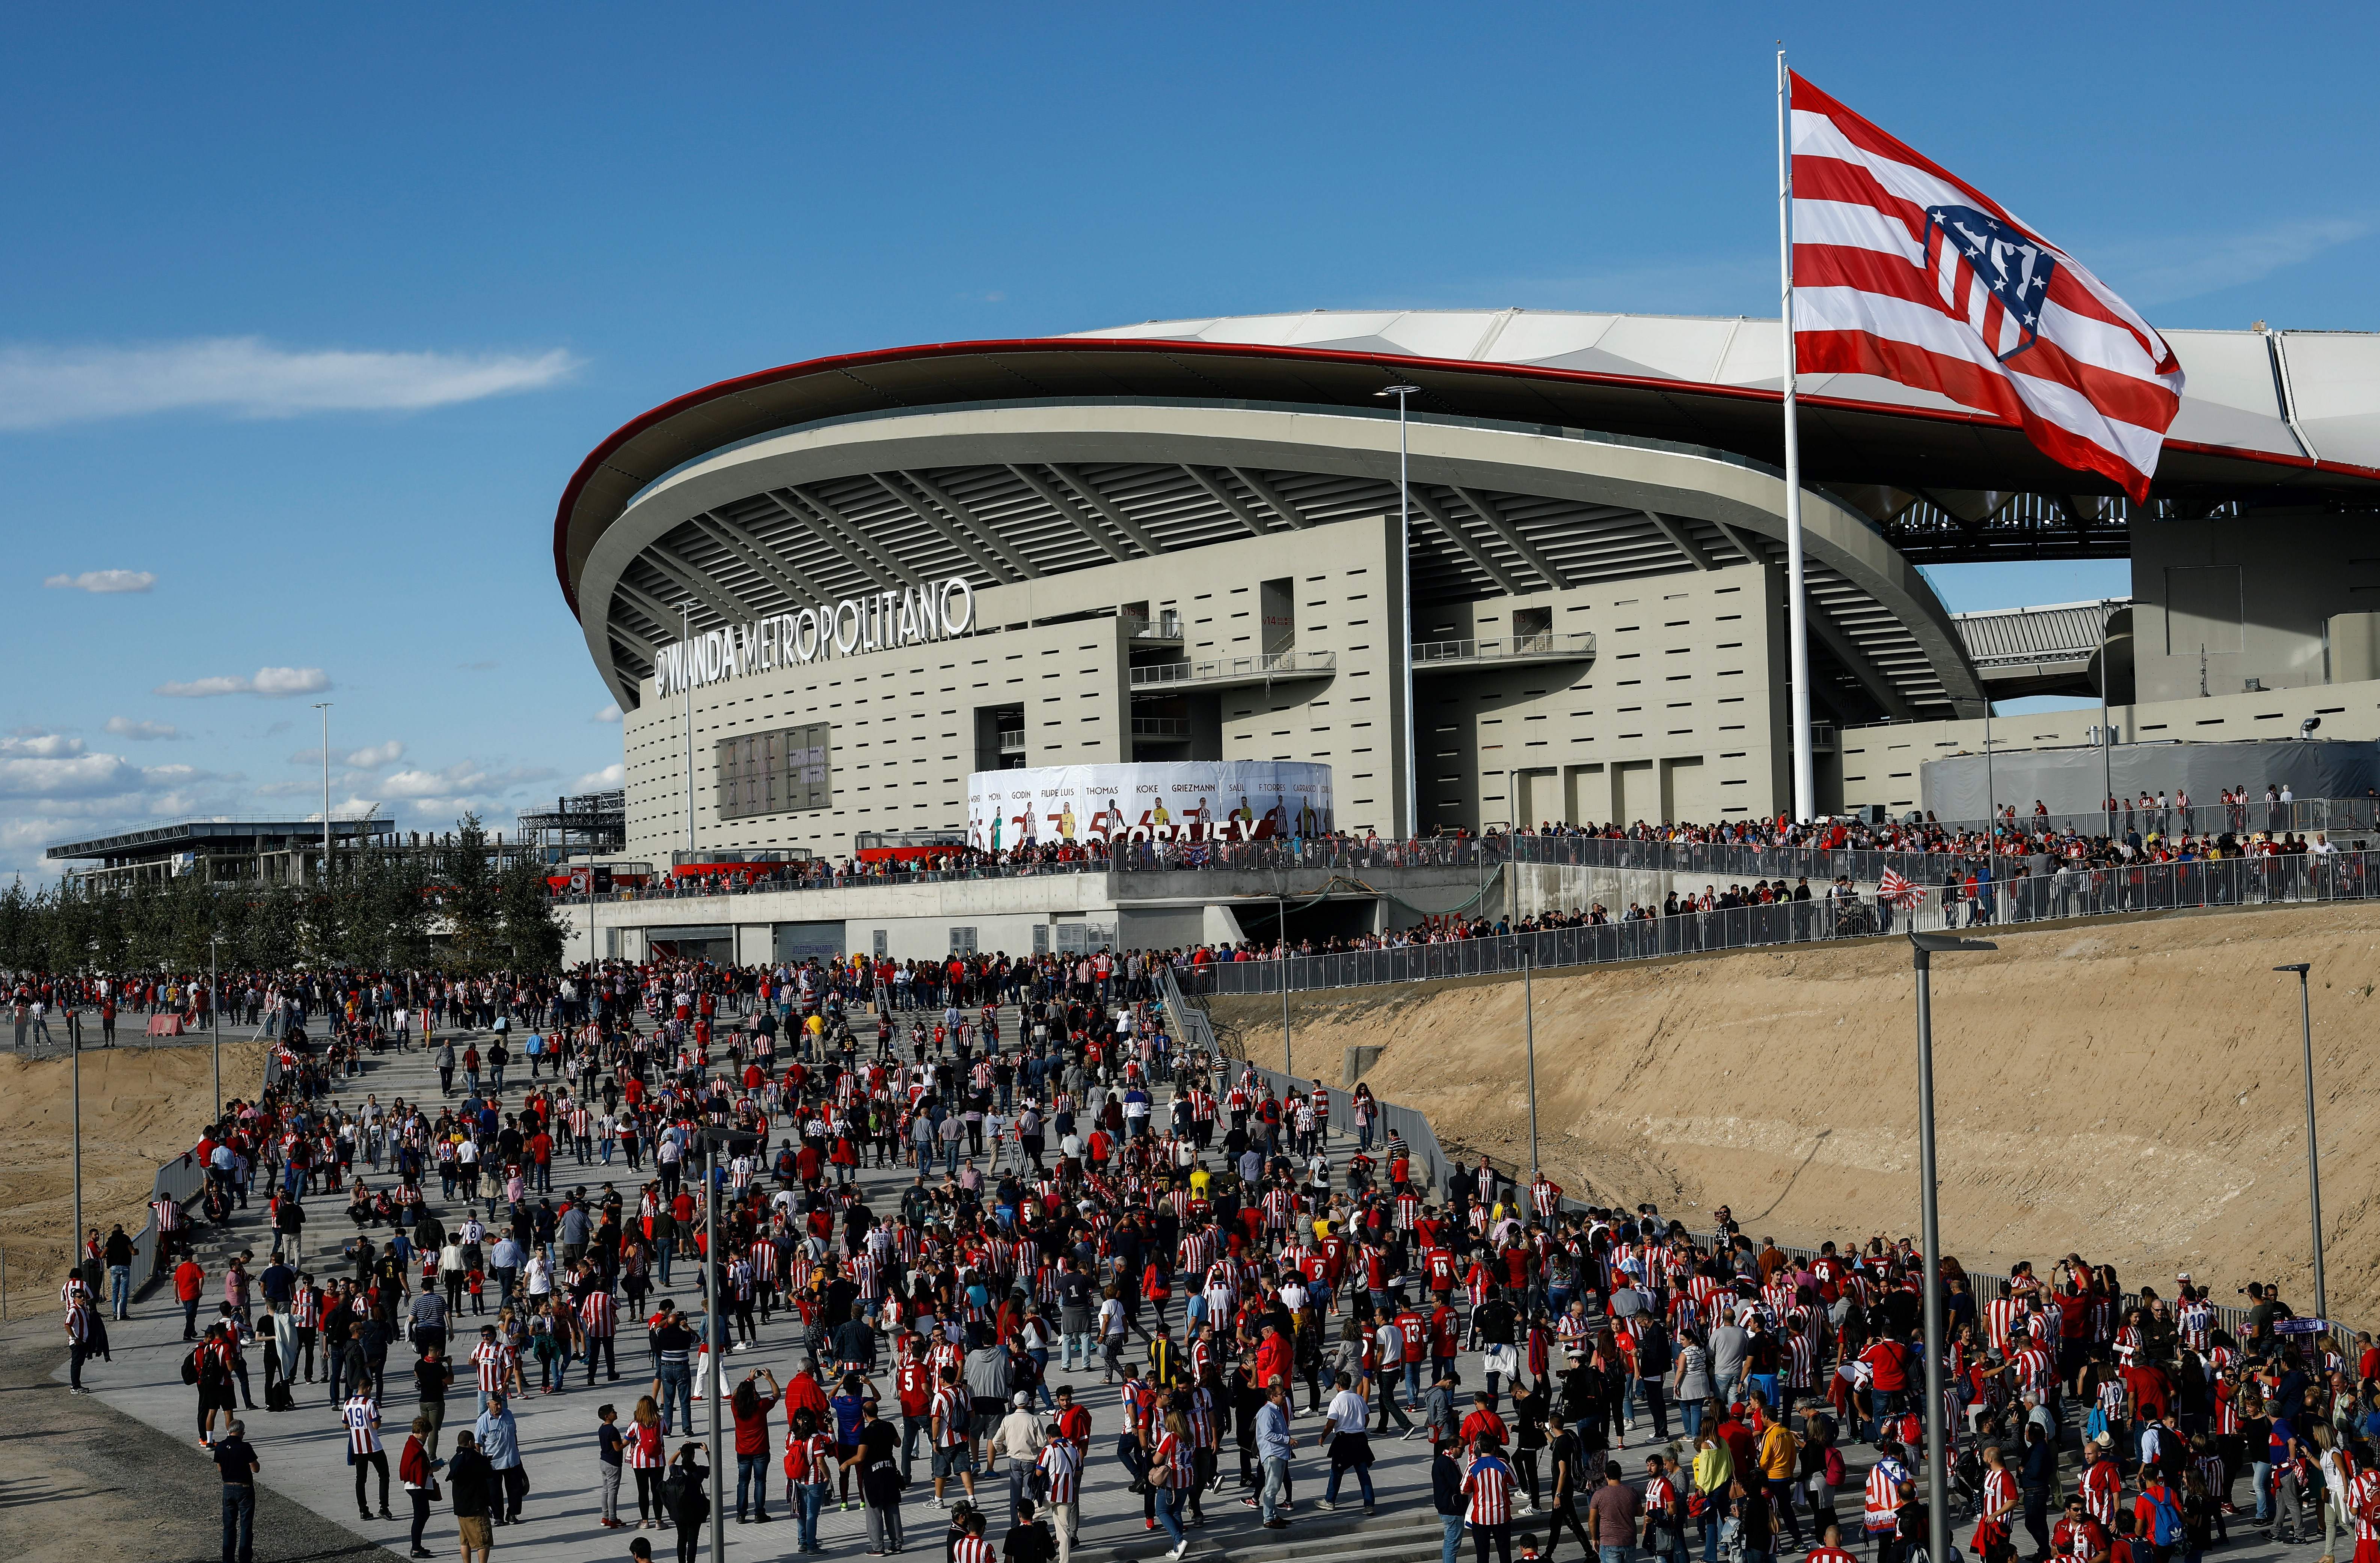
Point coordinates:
[[1897, 891], [1903, 270]]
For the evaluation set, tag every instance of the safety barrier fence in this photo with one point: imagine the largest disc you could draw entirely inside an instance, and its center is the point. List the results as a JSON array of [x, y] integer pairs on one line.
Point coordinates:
[[2069, 893]]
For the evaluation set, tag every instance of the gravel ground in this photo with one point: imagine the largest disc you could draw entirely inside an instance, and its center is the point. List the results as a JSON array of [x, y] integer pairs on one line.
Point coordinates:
[[82, 1483]]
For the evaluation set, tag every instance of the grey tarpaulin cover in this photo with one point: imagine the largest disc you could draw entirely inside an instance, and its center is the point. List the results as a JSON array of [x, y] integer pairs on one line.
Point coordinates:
[[2069, 781]]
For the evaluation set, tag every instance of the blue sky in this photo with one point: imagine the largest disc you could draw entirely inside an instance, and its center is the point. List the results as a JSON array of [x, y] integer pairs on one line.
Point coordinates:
[[309, 312]]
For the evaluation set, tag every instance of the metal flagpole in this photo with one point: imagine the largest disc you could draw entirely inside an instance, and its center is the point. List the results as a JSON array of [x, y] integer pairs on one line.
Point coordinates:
[[1805, 781]]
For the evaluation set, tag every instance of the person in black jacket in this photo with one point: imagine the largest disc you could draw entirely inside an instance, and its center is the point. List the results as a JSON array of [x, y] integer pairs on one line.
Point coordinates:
[[689, 1500], [473, 1483], [1446, 1493]]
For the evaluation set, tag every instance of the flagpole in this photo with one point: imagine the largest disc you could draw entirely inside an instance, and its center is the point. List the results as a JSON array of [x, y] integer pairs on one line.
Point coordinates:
[[1806, 784]]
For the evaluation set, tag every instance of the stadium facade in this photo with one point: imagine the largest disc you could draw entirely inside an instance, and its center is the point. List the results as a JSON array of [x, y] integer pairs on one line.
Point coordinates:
[[847, 585]]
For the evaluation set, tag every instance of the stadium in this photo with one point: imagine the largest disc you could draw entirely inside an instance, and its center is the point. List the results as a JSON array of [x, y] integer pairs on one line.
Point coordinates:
[[863, 578]]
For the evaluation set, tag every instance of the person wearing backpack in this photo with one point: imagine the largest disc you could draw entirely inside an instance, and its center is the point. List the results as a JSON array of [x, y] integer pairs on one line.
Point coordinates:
[[2156, 1516]]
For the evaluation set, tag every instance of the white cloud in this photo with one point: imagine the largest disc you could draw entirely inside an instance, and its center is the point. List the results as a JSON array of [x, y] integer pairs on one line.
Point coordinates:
[[100, 582], [605, 779], [462, 779], [41, 387], [356, 760], [33, 743], [2172, 269], [143, 731], [272, 683], [609, 713]]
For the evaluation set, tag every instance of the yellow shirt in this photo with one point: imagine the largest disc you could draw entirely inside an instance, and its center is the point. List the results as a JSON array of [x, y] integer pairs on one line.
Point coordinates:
[[1199, 1179], [1778, 1447]]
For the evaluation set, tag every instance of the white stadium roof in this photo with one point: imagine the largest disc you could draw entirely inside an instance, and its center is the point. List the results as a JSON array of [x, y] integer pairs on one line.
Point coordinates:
[[2234, 397]]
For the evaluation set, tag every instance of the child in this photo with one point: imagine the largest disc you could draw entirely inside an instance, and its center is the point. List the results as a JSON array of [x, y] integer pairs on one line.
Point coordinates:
[[475, 1280]]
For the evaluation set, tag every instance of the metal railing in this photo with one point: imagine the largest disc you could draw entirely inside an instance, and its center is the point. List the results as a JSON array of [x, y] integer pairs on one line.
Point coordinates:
[[1191, 1024], [1513, 647], [1719, 861], [2069, 893], [1269, 664]]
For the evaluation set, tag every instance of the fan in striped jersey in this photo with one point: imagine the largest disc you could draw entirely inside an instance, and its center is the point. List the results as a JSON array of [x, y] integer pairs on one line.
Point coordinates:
[[1903, 270]]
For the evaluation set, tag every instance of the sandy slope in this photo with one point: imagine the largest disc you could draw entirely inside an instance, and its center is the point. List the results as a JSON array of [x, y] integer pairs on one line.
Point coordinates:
[[140, 1106], [2131, 1090]]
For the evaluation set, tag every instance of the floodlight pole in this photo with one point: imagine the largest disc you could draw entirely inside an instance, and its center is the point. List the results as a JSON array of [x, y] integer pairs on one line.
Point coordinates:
[[1404, 578], [2314, 1164], [1923, 948]]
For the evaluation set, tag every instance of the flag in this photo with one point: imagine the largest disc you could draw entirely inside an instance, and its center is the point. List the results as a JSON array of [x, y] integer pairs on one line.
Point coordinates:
[[1897, 891], [1903, 270]]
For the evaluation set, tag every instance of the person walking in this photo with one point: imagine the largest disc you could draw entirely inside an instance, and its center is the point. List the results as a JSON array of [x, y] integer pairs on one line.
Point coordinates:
[[499, 1440], [414, 1473], [237, 1464], [477, 1493], [364, 1451]]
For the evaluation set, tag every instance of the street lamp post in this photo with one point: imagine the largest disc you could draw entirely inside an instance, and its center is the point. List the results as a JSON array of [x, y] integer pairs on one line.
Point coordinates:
[[1280, 910], [214, 1015], [2313, 1163], [324, 707], [1529, 1027], [717, 1143], [1924, 947], [2107, 739], [1404, 590]]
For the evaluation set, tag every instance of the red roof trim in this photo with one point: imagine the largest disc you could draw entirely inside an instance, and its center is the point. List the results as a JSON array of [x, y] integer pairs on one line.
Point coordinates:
[[1392, 364]]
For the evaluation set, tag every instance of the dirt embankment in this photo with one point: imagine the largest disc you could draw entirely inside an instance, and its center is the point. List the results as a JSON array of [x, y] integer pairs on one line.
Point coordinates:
[[139, 1106], [2130, 1090]]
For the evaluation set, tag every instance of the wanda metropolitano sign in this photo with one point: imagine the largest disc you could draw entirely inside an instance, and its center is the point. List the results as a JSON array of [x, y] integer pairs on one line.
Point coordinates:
[[879, 621]]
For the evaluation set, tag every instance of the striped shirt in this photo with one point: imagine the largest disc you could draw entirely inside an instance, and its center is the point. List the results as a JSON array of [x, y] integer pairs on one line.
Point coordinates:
[[806, 1458], [956, 1411], [1883, 1496], [492, 1358], [971, 1549], [1061, 1464], [1488, 1486], [363, 1425], [598, 1313]]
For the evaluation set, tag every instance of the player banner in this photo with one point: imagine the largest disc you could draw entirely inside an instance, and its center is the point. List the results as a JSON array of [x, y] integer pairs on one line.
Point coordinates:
[[1173, 801]]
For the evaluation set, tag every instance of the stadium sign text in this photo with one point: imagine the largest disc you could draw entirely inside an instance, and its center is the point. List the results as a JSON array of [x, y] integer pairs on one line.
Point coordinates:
[[878, 622]]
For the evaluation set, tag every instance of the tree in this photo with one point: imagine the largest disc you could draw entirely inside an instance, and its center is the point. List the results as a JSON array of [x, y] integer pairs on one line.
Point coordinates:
[[531, 930], [471, 900]]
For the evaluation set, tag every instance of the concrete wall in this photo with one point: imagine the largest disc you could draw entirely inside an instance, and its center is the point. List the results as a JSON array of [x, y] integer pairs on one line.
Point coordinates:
[[1880, 764], [2258, 597]]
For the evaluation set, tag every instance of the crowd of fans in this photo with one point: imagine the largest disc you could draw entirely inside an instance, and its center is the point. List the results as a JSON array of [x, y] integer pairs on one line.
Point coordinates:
[[970, 1210]]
